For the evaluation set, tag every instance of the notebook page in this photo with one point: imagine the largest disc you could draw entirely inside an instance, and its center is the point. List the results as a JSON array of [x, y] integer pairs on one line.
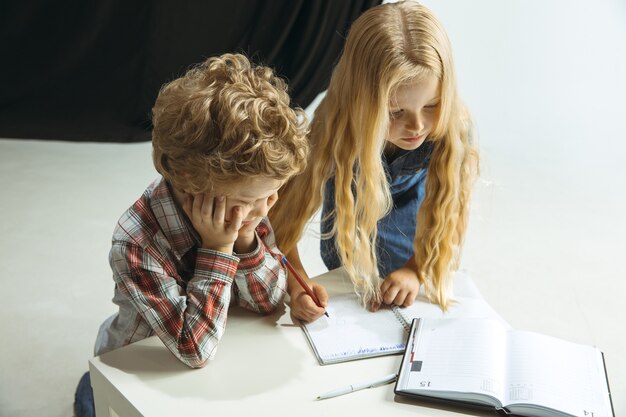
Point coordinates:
[[469, 303], [557, 374], [382, 332], [353, 332], [459, 355]]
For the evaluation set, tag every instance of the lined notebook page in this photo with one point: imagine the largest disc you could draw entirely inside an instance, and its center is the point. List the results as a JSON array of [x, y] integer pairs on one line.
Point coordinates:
[[482, 360], [457, 356], [468, 303], [353, 332], [556, 374], [464, 307]]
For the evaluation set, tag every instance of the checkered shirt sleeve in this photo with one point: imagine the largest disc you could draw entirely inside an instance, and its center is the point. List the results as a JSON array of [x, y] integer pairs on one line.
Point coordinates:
[[191, 321]]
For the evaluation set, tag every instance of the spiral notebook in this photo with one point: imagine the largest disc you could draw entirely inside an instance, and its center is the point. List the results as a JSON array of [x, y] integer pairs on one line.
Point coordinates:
[[352, 332]]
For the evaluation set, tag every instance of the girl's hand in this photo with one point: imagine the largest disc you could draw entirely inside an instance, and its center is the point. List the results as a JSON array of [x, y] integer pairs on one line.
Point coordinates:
[[208, 216], [400, 287], [302, 305]]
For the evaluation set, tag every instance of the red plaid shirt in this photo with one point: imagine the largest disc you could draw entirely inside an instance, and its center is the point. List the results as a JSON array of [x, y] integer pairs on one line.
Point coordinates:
[[165, 284]]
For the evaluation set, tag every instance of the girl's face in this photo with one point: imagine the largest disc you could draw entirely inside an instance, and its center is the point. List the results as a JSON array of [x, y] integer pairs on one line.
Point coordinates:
[[413, 113]]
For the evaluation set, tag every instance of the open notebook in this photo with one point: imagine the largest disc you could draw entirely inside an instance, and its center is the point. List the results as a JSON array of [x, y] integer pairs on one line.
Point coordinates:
[[482, 364], [352, 332]]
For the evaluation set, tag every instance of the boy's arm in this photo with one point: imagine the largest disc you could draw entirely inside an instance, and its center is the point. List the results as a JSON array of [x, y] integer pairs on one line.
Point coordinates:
[[190, 323], [261, 282]]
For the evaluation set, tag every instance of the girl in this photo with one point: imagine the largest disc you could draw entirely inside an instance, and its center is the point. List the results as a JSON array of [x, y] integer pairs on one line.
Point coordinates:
[[392, 165]]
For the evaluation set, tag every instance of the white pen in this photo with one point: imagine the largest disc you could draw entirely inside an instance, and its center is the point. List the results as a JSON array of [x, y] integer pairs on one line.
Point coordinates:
[[351, 388]]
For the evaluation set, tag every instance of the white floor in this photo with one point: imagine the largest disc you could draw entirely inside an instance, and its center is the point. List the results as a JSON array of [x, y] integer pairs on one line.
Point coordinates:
[[546, 81]]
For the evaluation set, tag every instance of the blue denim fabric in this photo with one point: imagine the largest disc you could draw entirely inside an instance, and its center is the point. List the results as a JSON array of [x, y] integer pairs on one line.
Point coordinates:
[[406, 175], [83, 399]]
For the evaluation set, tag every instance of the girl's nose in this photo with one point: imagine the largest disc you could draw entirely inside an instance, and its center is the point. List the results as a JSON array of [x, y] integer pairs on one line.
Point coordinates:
[[415, 124]]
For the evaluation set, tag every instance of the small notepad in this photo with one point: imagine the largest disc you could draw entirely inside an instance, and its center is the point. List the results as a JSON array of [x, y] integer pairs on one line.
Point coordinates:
[[352, 332]]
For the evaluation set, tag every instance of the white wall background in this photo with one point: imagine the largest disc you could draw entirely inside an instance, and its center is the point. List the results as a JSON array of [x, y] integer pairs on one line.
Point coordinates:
[[546, 81]]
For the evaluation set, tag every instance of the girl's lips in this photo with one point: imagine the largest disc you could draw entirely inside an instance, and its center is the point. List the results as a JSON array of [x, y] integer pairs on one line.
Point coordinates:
[[413, 139]]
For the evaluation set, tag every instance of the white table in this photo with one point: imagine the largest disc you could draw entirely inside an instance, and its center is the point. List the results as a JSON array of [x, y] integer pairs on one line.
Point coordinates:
[[264, 366]]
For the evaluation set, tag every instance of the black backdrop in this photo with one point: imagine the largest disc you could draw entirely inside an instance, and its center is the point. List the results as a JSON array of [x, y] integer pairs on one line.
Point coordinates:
[[91, 70]]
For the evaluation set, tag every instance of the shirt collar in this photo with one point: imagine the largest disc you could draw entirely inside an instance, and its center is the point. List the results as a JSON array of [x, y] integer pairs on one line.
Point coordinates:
[[409, 162]]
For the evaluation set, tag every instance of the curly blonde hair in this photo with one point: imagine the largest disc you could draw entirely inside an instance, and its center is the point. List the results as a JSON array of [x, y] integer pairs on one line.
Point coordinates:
[[225, 121], [387, 46]]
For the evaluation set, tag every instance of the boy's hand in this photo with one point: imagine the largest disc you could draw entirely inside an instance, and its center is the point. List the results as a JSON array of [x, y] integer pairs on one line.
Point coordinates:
[[208, 216], [302, 305], [400, 287]]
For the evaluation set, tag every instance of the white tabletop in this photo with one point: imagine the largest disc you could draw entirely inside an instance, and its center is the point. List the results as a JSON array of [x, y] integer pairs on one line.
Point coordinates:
[[264, 366]]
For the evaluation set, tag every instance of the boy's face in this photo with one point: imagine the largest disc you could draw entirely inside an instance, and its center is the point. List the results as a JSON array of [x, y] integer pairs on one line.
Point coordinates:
[[413, 113], [255, 196], [226, 217]]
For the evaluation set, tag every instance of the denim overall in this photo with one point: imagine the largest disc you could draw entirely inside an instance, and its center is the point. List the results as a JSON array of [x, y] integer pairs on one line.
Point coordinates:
[[406, 175]]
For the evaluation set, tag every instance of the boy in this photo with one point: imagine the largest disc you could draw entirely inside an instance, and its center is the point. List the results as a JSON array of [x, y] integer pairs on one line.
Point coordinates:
[[198, 240]]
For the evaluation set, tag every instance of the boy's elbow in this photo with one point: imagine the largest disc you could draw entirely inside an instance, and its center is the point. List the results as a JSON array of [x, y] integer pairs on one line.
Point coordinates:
[[196, 357], [197, 362], [198, 365]]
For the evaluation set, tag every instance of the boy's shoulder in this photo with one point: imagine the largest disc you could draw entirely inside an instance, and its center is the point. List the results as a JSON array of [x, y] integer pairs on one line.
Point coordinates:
[[139, 224]]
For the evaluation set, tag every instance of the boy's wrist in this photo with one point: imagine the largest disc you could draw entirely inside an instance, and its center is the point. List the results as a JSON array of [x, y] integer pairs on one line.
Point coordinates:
[[227, 249], [245, 244]]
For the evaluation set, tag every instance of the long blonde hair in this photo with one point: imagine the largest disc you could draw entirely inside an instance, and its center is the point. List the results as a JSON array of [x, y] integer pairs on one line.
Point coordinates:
[[387, 46]]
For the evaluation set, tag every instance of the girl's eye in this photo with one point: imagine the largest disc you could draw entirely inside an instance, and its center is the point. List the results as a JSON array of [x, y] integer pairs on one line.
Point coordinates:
[[395, 114]]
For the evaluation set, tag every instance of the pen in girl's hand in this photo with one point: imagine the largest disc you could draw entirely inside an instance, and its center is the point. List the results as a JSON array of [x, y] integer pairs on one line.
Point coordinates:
[[303, 284]]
